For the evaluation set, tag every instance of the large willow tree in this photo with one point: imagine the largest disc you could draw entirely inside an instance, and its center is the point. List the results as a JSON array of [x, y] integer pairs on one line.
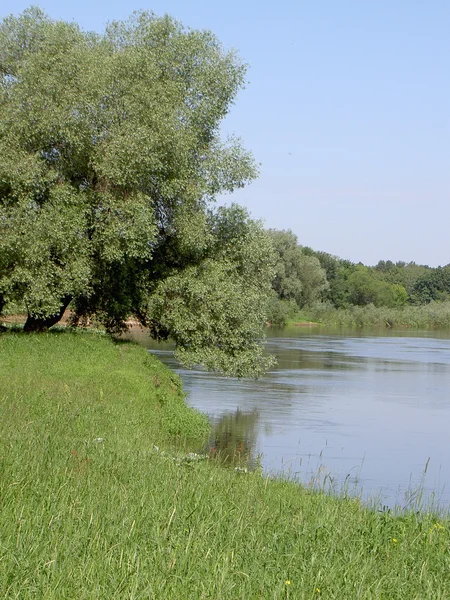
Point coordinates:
[[110, 159]]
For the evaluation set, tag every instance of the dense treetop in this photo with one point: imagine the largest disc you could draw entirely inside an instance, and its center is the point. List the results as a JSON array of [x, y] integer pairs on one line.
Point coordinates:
[[110, 158]]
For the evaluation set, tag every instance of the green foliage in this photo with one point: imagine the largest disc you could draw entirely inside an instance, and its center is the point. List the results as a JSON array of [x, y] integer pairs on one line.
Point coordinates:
[[358, 295], [298, 276], [435, 315], [337, 271], [43, 257], [280, 312], [432, 285], [213, 310], [91, 509], [405, 274], [396, 295], [286, 282], [110, 155], [313, 278], [363, 288]]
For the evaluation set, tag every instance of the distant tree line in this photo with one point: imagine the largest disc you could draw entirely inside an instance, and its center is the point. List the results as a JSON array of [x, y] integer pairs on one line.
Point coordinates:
[[305, 276]]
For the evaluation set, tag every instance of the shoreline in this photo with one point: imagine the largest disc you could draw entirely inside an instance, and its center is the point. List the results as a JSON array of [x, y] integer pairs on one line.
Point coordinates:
[[105, 506]]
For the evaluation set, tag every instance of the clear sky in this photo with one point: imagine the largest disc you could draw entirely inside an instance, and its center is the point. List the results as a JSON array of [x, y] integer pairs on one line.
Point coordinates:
[[347, 109]]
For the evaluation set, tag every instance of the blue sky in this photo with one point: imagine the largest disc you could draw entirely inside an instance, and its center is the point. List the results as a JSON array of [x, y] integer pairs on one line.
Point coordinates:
[[347, 109]]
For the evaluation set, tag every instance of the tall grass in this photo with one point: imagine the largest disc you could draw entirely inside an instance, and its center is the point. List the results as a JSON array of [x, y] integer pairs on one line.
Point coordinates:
[[435, 315], [91, 508]]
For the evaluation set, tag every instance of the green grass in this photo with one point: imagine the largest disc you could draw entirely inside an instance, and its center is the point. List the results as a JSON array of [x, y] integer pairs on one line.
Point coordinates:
[[435, 315], [83, 518]]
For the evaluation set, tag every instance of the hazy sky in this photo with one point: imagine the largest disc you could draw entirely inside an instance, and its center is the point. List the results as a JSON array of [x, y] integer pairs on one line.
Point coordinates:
[[347, 109]]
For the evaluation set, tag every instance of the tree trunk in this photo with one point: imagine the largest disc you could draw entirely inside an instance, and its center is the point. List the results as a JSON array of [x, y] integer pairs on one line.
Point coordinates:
[[39, 324], [2, 304]]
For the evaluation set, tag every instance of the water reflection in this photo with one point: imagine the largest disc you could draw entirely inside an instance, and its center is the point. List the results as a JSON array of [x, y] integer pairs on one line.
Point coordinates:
[[360, 408], [233, 439]]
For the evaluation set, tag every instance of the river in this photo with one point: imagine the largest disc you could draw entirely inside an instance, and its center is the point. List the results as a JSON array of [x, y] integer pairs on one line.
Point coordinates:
[[356, 411]]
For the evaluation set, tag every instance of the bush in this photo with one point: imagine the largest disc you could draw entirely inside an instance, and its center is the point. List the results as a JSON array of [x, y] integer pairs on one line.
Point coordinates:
[[435, 315], [280, 312]]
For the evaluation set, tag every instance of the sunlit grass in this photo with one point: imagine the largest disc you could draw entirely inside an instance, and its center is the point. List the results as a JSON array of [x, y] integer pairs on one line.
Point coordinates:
[[98, 502]]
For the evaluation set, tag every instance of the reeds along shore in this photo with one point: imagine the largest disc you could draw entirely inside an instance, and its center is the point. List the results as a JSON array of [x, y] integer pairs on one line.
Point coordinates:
[[435, 315], [98, 501]]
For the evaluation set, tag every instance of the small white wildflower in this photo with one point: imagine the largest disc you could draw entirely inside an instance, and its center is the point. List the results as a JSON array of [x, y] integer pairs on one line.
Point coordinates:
[[193, 456], [241, 469]]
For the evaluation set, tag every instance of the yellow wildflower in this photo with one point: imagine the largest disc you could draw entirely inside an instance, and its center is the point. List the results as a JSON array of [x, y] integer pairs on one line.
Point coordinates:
[[394, 540], [288, 582]]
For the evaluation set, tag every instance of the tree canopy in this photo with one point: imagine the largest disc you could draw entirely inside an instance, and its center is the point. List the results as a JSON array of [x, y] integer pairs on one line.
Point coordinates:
[[298, 275], [110, 159]]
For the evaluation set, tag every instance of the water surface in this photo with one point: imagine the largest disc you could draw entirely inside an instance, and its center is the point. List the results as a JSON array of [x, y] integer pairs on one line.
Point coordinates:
[[367, 411]]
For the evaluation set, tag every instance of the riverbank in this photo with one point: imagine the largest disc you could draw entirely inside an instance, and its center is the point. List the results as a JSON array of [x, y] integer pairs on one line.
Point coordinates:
[[101, 498], [432, 316]]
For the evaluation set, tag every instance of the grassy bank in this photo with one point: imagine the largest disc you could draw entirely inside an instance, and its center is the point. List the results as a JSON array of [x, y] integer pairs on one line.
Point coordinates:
[[91, 509], [435, 315]]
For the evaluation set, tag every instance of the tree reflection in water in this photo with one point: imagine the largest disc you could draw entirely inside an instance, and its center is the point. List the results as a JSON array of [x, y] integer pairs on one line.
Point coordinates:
[[233, 438]]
